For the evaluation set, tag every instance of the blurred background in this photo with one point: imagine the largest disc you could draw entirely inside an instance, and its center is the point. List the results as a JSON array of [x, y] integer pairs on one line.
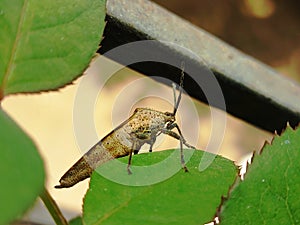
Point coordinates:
[[268, 30], [265, 29]]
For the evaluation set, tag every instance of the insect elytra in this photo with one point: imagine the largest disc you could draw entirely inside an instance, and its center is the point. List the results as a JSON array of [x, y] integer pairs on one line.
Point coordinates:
[[142, 127]]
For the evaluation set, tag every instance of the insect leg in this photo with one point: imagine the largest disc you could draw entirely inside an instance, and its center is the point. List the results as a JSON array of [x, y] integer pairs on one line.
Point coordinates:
[[135, 149], [147, 138], [129, 163], [151, 146], [182, 156], [179, 137], [175, 135]]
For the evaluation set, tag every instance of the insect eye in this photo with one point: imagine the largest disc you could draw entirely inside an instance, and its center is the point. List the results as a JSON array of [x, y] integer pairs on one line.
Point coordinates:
[[168, 114]]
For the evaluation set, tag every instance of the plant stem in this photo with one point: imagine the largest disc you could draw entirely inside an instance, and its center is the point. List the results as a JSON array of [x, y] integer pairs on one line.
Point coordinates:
[[53, 208]]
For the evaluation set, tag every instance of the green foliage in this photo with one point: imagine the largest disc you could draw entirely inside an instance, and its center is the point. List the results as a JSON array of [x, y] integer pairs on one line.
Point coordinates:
[[185, 198], [271, 189], [22, 171], [44, 45], [76, 221], [47, 44]]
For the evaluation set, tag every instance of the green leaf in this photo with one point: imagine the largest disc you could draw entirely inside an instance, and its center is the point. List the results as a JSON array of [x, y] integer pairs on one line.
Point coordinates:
[[76, 221], [270, 191], [46, 44], [184, 198], [22, 170]]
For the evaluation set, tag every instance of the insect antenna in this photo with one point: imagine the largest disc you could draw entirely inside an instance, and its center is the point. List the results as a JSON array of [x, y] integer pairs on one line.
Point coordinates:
[[176, 102]]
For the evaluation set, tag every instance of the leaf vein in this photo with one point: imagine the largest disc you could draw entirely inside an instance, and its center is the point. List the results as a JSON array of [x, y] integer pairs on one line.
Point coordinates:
[[14, 49], [62, 23], [116, 209]]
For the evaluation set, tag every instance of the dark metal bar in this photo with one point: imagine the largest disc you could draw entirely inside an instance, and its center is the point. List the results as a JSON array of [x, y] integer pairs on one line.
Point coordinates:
[[253, 91]]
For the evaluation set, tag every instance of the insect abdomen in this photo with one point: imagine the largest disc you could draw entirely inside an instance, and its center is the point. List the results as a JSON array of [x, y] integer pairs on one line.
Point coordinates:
[[110, 147], [78, 172]]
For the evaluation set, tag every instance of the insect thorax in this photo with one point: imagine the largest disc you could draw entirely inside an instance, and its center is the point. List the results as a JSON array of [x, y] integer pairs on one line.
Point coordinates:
[[145, 119]]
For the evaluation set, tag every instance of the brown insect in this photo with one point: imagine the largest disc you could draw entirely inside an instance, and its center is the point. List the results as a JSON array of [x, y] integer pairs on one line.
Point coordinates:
[[142, 127]]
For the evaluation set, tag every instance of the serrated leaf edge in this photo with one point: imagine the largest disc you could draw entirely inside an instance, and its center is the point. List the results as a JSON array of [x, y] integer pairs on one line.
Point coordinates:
[[238, 179]]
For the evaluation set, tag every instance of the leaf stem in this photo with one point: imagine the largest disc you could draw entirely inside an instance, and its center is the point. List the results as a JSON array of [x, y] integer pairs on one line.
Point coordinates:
[[53, 208]]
